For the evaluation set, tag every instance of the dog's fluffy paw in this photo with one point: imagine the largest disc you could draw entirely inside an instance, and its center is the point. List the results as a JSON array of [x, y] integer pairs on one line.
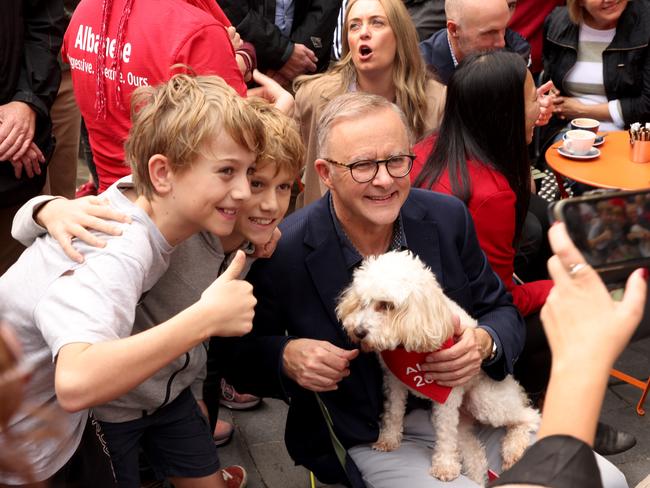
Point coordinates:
[[445, 471], [515, 443], [510, 460], [386, 444], [512, 452]]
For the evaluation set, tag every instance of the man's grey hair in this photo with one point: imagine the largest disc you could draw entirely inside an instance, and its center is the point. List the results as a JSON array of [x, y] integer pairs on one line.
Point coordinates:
[[349, 106]]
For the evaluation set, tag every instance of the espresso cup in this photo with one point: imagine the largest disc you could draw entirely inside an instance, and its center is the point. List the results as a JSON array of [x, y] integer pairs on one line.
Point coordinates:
[[579, 142], [585, 124]]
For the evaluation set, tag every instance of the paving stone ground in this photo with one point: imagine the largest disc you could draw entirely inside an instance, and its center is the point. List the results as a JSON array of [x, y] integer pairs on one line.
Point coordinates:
[[259, 446]]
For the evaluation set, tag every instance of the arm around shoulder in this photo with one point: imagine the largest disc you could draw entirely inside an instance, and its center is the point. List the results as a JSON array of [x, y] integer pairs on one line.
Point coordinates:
[[25, 229]]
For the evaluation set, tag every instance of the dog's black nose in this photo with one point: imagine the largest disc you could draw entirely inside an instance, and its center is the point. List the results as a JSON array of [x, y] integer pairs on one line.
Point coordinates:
[[360, 332]]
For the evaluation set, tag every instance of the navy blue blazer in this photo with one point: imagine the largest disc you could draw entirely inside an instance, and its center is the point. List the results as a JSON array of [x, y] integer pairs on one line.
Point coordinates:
[[297, 290], [437, 56]]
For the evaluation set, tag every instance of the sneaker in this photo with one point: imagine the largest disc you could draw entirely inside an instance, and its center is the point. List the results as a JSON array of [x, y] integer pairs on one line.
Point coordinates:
[[234, 476], [87, 189], [223, 433], [237, 401]]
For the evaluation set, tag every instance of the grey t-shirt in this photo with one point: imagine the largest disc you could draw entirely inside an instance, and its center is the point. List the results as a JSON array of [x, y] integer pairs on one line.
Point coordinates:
[[51, 301], [194, 265]]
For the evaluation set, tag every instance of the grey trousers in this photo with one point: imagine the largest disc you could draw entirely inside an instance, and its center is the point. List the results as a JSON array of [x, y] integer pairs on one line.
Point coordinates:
[[409, 465]]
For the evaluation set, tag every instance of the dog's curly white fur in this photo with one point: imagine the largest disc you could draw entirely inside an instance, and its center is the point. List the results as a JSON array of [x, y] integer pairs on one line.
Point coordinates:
[[394, 300]]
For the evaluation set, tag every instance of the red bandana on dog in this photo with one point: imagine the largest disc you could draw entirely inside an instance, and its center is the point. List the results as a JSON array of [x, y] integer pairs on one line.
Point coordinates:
[[406, 367]]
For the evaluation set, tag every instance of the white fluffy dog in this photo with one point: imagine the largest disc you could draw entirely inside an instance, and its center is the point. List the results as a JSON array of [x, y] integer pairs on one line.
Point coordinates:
[[395, 301]]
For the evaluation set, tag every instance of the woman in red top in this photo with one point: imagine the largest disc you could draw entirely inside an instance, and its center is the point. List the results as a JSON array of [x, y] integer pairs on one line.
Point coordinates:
[[480, 155]]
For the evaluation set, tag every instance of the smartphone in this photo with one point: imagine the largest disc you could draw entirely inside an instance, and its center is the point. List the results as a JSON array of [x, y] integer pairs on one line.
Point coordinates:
[[611, 229]]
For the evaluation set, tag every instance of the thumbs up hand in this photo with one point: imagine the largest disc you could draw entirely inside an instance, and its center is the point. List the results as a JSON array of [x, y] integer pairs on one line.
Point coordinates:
[[228, 304]]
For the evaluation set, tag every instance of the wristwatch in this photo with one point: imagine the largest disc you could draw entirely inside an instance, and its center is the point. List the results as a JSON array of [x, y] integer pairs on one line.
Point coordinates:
[[493, 354]]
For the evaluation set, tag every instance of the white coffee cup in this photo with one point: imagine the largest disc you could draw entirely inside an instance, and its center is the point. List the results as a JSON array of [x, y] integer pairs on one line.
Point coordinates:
[[579, 141]]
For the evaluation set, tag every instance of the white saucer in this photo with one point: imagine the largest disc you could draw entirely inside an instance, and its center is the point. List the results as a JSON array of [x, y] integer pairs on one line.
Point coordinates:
[[593, 153], [600, 140]]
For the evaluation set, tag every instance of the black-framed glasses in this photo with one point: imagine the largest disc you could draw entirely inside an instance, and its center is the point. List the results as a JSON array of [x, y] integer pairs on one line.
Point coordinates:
[[365, 170]]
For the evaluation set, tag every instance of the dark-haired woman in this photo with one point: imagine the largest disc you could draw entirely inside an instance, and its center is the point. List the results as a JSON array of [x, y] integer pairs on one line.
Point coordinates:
[[480, 155]]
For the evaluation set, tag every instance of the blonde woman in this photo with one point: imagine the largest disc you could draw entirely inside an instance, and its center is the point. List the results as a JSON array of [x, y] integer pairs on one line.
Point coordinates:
[[380, 56]]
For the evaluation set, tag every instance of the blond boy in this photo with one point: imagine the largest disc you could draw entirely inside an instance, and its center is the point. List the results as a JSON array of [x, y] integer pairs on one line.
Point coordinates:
[[191, 147], [196, 262], [277, 168]]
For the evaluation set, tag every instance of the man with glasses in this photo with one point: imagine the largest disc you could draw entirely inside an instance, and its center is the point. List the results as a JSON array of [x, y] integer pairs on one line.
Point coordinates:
[[364, 151]]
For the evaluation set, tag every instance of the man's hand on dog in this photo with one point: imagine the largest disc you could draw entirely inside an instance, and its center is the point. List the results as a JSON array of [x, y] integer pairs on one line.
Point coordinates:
[[462, 361], [317, 365]]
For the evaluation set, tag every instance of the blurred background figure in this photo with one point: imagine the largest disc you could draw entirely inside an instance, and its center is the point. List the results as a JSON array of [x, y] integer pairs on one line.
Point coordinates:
[[30, 39], [66, 125], [527, 20], [14, 375], [428, 16], [291, 38]]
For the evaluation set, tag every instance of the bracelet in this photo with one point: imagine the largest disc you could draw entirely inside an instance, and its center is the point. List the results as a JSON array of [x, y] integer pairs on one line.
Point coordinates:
[[247, 61]]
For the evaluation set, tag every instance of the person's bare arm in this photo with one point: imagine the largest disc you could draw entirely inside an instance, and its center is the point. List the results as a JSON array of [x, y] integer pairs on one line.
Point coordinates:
[[272, 92], [586, 331], [66, 219], [91, 374]]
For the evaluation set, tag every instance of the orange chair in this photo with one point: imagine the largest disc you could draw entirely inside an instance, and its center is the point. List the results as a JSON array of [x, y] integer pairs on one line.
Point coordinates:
[[642, 385]]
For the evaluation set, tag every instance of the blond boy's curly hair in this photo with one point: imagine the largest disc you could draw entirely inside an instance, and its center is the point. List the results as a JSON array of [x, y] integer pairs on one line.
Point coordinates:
[[180, 118]]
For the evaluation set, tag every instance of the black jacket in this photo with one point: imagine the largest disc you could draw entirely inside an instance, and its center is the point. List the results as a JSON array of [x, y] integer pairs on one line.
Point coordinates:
[[437, 55], [313, 25], [626, 61], [31, 33]]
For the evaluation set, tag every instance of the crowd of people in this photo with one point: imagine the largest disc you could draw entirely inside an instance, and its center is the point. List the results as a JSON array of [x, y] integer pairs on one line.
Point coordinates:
[[612, 231], [378, 125]]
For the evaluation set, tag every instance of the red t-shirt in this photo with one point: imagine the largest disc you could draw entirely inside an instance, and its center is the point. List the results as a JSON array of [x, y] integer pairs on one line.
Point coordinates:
[[158, 35], [528, 20], [492, 206]]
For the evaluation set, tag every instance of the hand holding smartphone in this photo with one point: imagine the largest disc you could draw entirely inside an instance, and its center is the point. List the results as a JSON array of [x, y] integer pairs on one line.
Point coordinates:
[[611, 229]]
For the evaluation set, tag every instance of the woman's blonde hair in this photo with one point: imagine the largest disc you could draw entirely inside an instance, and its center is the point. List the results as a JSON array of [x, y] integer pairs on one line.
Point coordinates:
[[575, 11], [409, 72]]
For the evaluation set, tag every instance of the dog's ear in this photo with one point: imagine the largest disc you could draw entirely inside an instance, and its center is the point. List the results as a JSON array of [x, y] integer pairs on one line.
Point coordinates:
[[425, 321], [348, 303]]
